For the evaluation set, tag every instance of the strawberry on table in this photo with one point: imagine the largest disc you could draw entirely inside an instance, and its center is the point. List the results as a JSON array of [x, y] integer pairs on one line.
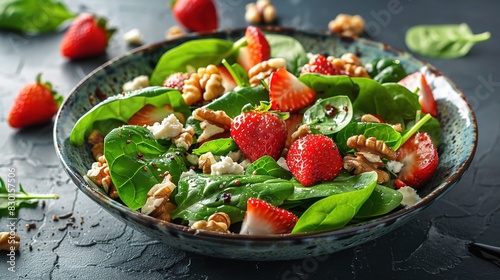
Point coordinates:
[[426, 97], [259, 132], [87, 36], [287, 93], [420, 160], [314, 158], [264, 218], [196, 15], [35, 104], [256, 51]]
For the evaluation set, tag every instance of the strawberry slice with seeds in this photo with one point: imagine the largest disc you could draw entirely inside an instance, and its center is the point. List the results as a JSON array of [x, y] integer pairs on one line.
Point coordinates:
[[420, 160], [264, 218], [287, 93], [426, 97], [256, 51], [149, 114]]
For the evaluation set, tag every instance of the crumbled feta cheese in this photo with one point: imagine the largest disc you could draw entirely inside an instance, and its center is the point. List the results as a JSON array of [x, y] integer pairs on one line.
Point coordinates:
[[169, 128], [137, 83], [226, 166], [282, 163], [133, 37], [394, 166], [235, 156], [188, 173], [209, 130], [245, 163], [410, 196]]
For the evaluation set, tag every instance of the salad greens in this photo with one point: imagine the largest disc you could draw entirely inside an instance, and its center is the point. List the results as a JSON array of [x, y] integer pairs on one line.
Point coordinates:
[[137, 161], [11, 200], [443, 41]]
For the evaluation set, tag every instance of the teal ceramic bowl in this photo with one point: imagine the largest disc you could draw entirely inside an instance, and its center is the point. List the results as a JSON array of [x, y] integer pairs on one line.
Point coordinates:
[[459, 139]]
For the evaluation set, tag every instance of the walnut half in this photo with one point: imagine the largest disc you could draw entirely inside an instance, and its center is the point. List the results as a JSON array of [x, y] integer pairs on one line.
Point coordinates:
[[217, 222]]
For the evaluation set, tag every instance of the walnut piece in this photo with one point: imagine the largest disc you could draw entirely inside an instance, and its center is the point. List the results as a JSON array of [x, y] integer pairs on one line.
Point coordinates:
[[205, 84], [359, 164], [217, 222], [99, 173], [262, 10], [175, 32], [185, 139], [205, 162], [371, 145], [218, 118], [347, 25], [302, 131], [7, 241], [262, 70], [157, 204], [350, 63]]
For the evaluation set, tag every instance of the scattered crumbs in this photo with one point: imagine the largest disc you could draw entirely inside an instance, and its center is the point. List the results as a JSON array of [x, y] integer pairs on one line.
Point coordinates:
[[30, 247], [38, 234], [55, 218], [94, 225], [72, 218], [30, 226], [43, 203], [65, 216], [81, 220]]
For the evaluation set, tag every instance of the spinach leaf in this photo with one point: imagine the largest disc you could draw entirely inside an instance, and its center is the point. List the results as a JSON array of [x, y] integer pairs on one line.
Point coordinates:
[[329, 115], [433, 127], [232, 102], [443, 41], [137, 161], [373, 98], [328, 86], [381, 131], [199, 196], [123, 106], [195, 53], [406, 101], [382, 201], [290, 49], [266, 165], [33, 16], [337, 210], [220, 147], [11, 200]]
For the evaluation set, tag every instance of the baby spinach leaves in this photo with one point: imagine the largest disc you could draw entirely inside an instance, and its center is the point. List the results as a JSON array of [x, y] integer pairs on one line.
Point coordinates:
[[443, 41], [220, 147], [329, 115], [232, 102], [328, 86], [382, 201], [381, 131], [199, 196], [123, 106], [266, 165], [335, 211], [137, 162], [290, 49]]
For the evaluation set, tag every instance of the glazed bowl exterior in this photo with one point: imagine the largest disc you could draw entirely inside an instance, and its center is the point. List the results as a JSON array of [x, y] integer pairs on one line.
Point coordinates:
[[459, 139]]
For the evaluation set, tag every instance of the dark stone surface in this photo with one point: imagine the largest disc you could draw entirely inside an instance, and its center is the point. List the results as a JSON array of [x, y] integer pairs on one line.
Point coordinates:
[[432, 246]]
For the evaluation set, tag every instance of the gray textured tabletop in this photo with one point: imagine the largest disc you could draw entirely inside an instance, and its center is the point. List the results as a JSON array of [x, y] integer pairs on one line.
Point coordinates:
[[432, 246]]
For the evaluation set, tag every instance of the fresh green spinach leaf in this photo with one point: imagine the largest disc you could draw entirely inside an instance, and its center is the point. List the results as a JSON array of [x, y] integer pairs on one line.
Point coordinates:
[[220, 147], [382, 201], [11, 200], [199, 196], [137, 161], [288, 48], [329, 115], [406, 101], [337, 210], [123, 106], [266, 165], [381, 131], [33, 16], [443, 41], [232, 102], [328, 86]]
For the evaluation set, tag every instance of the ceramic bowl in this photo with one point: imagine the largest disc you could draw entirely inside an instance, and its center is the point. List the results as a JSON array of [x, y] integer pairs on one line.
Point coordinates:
[[459, 139]]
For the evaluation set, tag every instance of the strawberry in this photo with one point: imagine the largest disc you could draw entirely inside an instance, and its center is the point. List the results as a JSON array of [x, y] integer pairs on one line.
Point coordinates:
[[35, 104], [287, 93], [319, 64], [259, 132], [196, 15], [420, 160], [176, 80], [262, 217], [256, 51], [426, 98], [149, 114], [314, 158], [228, 81], [87, 36]]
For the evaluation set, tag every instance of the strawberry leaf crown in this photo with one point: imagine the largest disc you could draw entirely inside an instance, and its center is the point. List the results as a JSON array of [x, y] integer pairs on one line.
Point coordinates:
[[57, 97], [264, 107]]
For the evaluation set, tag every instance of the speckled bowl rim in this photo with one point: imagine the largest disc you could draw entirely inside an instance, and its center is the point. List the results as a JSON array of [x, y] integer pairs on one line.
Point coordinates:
[[346, 232]]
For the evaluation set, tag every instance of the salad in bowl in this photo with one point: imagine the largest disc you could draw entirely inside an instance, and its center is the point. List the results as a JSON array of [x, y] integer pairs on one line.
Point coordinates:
[[258, 138]]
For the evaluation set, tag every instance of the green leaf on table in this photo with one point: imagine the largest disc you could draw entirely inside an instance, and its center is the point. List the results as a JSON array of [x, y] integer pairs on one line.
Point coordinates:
[[443, 41], [11, 200], [33, 16], [220, 147], [329, 115], [266, 165], [137, 161]]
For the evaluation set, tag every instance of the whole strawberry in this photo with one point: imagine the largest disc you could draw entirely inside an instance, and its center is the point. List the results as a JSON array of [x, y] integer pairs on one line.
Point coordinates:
[[259, 132], [35, 104], [196, 15], [86, 37], [314, 158]]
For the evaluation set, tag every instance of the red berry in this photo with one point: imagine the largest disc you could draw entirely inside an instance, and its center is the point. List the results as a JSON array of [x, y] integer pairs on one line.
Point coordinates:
[[256, 51], [426, 97], [176, 80], [287, 93], [314, 158], [149, 114], [319, 64], [196, 15], [262, 217]]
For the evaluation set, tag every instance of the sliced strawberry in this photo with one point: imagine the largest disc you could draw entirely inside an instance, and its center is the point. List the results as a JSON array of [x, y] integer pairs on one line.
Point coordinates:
[[256, 51], [227, 80], [149, 114], [287, 93], [320, 64], [426, 98], [292, 123], [420, 160], [264, 218], [176, 80]]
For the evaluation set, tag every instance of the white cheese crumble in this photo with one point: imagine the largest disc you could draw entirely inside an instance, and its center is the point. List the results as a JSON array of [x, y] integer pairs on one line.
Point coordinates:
[[209, 130], [226, 166], [137, 83], [188, 173], [410, 196], [169, 128], [245, 163], [394, 166], [133, 37], [235, 156], [282, 163]]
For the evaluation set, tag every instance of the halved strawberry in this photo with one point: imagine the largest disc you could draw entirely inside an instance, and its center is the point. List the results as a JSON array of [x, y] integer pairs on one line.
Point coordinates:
[[256, 51], [227, 80], [176, 80], [264, 218], [420, 160], [426, 98], [149, 114], [320, 64], [287, 93]]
